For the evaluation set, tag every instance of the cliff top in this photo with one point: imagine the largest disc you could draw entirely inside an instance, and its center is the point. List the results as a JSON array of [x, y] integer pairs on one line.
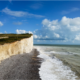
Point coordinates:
[[9, 38]]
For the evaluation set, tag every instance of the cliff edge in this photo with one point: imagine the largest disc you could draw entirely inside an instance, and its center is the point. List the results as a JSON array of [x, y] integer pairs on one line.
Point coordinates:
[[18, 47]]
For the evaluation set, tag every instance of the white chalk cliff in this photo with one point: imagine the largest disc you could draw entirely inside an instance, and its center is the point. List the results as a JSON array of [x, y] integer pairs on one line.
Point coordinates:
[[18, 47]]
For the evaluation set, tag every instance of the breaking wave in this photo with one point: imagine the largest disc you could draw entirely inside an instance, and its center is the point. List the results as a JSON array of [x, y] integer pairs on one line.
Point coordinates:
[[53, 69]]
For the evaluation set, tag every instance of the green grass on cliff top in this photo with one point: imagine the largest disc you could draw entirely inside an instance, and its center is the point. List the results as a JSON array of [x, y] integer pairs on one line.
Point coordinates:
[[9, 38]]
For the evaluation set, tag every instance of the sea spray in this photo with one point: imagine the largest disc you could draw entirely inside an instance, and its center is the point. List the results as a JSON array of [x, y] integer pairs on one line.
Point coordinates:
[[52, 68]]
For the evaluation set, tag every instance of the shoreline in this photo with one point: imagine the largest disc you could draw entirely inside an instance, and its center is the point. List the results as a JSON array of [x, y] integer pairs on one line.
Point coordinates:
[[22, 66], [64, 66], [71, 67]]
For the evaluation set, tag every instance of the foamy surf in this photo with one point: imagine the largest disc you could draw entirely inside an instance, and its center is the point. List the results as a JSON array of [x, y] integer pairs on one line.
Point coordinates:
[[53, 69]]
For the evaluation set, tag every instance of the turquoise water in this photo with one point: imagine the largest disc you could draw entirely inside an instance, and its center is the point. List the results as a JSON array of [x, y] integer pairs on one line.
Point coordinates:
[[69, 55]]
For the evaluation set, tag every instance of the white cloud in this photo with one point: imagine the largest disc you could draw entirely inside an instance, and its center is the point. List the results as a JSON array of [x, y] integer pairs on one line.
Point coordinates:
[[35, 36], [14, 13], [57, 35], [20, 13], [72, 23], [52, 25], [17, 23], [48, 30], [22, 31], [1, 24], [40, 37], [77, 37], [71, 10], [65, 29]]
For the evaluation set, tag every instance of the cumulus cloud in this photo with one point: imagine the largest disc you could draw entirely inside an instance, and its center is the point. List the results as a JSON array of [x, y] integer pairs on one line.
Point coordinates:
[[17, 23], [71, 23], [66, 29], [20, 13], [48, 30], [52, 25], [1, 24], [22, 31]]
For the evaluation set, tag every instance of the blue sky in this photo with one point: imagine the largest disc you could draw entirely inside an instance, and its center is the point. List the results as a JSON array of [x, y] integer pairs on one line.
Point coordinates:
[[58, 21]]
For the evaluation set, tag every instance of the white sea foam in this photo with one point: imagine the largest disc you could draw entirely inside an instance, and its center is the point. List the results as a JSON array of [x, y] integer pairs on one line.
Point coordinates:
[[53, 68]]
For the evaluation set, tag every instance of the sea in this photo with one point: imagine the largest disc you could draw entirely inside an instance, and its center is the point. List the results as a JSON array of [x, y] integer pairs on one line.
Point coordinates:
[[60, 62]]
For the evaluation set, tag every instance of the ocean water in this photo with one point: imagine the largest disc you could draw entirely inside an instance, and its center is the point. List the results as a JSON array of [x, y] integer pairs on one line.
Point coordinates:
[[60, 62]]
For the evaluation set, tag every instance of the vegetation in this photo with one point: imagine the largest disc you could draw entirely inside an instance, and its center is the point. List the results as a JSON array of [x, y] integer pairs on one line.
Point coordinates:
[[9, 38]]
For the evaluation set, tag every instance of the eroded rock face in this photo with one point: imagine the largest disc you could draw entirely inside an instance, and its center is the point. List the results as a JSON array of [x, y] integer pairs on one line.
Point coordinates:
[[18, 47]]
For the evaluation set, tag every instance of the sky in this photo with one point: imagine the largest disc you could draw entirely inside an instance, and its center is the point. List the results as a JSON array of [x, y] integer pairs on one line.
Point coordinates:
[[51, 22]]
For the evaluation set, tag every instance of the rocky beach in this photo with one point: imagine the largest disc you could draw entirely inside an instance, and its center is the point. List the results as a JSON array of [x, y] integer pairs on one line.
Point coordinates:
[[21, 67]]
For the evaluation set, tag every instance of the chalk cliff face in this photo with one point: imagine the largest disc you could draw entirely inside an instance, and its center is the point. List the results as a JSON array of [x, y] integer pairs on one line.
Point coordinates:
[[18, 47]]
